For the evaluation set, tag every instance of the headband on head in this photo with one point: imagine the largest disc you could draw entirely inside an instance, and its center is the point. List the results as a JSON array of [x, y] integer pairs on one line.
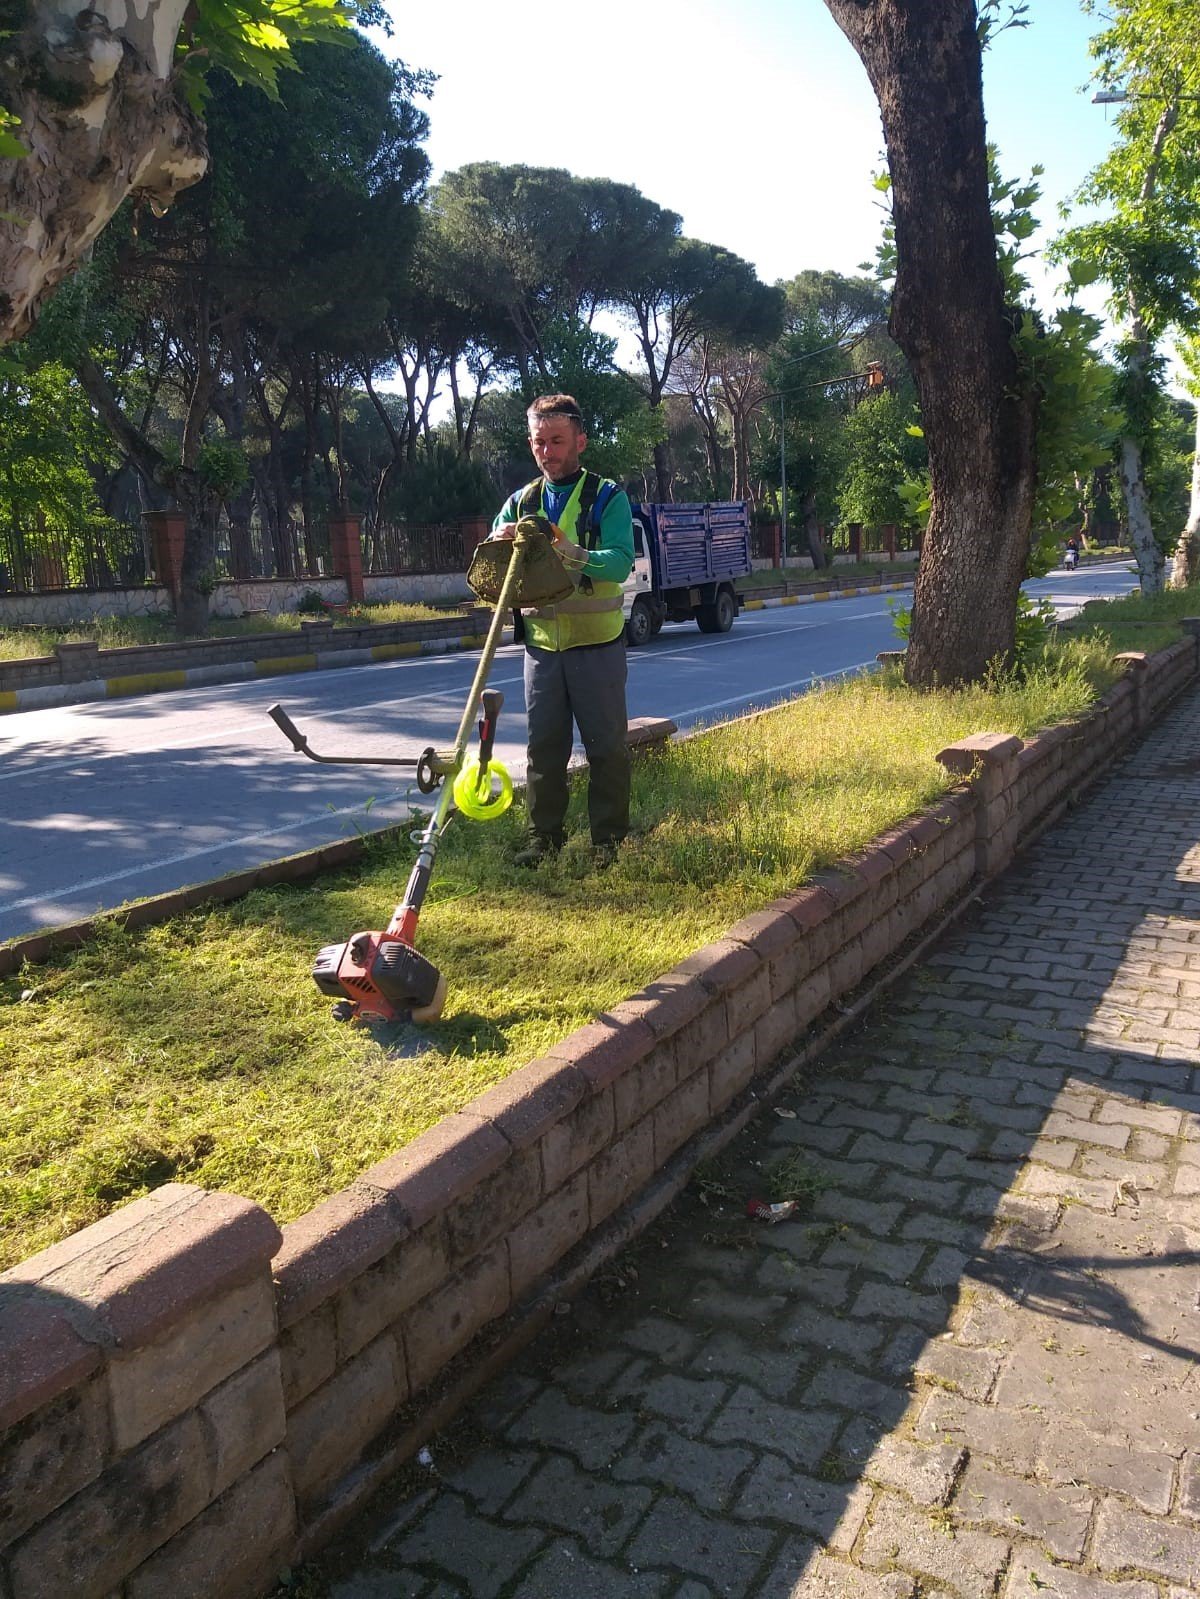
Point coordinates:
[[571, 412]]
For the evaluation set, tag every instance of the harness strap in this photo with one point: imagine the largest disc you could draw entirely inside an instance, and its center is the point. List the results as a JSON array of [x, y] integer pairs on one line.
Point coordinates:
[[578, 606]]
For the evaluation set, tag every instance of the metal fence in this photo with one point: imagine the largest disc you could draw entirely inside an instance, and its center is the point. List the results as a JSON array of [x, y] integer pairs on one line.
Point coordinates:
[[401, 548], [98, 554], [103, 554], [255, 550]]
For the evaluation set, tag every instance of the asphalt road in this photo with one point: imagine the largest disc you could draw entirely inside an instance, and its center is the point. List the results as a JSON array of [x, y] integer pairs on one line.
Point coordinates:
[[108, 802]]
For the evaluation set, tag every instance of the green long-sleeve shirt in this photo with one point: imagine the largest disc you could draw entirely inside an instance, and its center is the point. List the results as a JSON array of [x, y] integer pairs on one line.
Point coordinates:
[[612, 559]]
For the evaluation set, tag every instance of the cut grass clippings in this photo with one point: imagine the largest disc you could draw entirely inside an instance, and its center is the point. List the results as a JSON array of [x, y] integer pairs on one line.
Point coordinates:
[[200, 1050]]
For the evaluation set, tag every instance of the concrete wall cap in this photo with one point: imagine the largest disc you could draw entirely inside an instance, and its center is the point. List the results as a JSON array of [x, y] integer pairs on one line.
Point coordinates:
[[144, 1269], [665, 1005], [807, 907], [720, 966], [442, 1165], [532, 1100], [768, 932], [842, 885], [1135, 660], [48, 1345], [604, 1050], [330, 1245], [979, 749]]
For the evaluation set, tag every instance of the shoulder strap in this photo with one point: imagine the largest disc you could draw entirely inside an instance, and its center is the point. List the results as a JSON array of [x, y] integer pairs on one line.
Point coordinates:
[[530, 502], [590, 495]]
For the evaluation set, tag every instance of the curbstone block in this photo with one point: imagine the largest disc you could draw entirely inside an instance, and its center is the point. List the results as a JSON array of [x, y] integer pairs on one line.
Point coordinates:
[[620, 1170], [380, 1296], [603, 1052], [529, 1102], [45, 1357], [665, 1005], [332, 1427], [329, 1246], [162, 1380], [97, 1538], [445, 1321], [721, 966], [50, 1456], [236, 1547], [543, 1238]]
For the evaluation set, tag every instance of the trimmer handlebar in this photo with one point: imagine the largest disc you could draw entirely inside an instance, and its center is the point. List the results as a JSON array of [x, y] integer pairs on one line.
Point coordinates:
[[300, 744]]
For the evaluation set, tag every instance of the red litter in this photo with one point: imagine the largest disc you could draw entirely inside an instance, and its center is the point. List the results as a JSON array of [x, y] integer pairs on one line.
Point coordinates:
[[761, 1210]]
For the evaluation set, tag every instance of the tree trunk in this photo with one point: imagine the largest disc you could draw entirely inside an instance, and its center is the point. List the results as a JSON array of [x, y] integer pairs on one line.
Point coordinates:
[[1186, 570], [948, 316], [1150, 559], [812, 532], [101, 120]]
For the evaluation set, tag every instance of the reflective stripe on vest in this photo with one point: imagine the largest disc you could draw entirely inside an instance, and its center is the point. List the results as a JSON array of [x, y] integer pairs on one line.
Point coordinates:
[[594, 614]]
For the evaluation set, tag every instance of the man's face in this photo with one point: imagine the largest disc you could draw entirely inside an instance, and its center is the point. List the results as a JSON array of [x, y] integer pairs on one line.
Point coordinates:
[[557, 443]]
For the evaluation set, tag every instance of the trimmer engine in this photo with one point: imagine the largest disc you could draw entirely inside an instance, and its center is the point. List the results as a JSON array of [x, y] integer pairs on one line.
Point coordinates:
[[388, 979]]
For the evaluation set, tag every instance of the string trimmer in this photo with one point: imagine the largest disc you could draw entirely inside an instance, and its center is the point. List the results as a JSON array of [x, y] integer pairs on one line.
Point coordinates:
[[382, 976]]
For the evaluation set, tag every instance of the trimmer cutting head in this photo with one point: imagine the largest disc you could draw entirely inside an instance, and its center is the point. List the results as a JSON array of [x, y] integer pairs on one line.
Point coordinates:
[[376, 976]]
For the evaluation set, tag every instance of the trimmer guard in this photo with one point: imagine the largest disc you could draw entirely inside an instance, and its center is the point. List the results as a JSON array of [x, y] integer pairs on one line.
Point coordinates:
[[543, 579]]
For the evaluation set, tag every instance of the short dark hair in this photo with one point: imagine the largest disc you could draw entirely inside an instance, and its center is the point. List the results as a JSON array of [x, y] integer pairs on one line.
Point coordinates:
[[556, 405]]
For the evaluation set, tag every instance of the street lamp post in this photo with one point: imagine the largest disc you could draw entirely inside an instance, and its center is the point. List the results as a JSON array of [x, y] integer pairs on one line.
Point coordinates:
[[783, 554]]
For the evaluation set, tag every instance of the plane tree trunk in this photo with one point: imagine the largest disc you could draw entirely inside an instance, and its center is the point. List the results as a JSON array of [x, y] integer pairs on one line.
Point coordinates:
[[949, 317], [101, 119]]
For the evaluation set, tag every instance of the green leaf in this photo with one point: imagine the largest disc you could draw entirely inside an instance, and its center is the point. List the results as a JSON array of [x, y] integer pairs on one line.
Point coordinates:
[[915, 431], [1081, 273]]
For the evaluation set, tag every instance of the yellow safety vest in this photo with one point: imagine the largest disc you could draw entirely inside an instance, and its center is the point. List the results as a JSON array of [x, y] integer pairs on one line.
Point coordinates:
[[594, 613]]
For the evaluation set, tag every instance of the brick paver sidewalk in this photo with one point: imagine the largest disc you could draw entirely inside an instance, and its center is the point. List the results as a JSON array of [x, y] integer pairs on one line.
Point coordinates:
[[968, 1368]]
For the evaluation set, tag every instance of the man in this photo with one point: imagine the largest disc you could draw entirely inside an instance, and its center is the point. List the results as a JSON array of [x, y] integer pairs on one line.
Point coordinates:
[[575, 651]]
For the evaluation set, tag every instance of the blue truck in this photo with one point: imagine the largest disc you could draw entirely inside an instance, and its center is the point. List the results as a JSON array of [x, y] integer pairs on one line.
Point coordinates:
[[685, 560]]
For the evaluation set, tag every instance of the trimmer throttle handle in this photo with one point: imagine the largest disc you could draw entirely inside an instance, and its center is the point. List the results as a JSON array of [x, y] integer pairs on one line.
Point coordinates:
[[288, 728], [492, 701]]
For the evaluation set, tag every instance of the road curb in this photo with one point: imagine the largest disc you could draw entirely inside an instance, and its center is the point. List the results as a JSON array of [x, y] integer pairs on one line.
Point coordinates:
[[825, 594], [131, 686]]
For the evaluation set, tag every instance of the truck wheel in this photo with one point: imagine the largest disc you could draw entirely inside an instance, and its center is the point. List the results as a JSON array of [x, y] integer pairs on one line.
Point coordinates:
[[657, 625], [640, 627], [717, 617]]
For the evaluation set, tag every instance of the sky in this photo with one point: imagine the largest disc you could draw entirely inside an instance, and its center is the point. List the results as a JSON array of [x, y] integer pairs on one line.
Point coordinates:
[[755, 121]]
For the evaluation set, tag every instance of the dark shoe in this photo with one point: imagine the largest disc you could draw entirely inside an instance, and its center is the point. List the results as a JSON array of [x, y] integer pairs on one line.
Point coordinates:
[[604, 855], [539, 848]]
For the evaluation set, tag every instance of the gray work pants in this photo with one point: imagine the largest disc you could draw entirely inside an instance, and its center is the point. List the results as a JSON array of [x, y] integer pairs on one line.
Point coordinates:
[[586, 686]]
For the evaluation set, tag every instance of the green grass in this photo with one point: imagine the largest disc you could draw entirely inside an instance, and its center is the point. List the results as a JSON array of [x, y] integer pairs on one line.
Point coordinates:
[[118, 632], [772, 577], [200, 1050], [1133, 623]]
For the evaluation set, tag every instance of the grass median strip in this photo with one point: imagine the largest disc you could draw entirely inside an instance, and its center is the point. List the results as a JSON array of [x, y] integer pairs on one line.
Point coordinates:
[[200, 1050]]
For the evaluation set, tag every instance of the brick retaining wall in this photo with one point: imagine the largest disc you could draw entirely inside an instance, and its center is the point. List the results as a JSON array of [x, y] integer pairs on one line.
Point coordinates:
[[180, 1423]]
